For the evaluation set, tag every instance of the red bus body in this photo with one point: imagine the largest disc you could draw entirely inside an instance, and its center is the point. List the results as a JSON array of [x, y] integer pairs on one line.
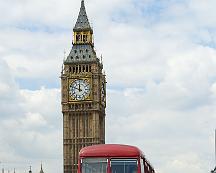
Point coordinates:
[[114, 152]]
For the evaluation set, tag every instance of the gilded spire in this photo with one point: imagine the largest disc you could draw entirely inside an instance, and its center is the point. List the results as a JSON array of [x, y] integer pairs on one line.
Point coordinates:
[[82, 23]]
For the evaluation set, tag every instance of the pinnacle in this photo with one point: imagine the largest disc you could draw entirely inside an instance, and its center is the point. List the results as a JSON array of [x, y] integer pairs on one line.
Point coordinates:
[[82, 23]]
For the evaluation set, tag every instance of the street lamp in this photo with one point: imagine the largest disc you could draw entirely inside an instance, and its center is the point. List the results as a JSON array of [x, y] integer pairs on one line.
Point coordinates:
[[214, 170]]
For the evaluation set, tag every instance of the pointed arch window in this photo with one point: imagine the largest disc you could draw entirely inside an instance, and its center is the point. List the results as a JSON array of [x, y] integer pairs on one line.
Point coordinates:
[[85, 38], [78, 37]]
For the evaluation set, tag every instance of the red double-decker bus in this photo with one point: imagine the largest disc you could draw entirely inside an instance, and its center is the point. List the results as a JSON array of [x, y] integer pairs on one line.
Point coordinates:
[[113, 158]]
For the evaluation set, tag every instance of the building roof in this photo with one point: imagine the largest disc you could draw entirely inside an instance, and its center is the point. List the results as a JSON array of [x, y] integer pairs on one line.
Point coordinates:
[[111, 150], [81, 53], [82, 23]]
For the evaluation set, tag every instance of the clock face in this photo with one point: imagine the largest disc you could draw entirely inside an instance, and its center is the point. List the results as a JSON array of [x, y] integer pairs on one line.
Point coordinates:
[[79, 89]]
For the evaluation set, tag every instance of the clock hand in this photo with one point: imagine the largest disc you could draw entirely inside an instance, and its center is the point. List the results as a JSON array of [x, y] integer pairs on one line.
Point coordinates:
[[79, 88]]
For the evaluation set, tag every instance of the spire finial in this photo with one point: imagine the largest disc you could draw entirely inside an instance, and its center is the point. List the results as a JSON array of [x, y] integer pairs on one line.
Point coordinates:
[[101, 58], [30, 171], [64, 54], [41, 171], [82, 21]]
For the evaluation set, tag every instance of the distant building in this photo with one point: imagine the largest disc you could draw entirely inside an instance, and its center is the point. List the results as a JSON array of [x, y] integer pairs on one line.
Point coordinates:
[[30, 171], [41, 170], [214, 171]]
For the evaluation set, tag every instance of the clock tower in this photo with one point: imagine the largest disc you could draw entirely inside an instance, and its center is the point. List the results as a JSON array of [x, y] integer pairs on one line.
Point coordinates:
[[83, 88]]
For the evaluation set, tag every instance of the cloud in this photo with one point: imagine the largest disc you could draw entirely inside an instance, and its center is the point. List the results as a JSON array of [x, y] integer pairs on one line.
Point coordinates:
[[162, 132], [28, 134], [28, 125], [159, 58]]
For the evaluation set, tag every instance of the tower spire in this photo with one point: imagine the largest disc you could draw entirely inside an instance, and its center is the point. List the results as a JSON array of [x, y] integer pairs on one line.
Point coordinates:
[[30, 171], [82, 23], [41, 171]]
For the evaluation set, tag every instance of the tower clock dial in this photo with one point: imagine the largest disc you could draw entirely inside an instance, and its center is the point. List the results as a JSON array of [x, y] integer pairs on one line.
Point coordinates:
[[79, 89]]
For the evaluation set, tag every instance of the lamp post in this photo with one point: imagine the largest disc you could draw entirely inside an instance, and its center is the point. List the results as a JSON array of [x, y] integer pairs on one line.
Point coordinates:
[[214, 170]]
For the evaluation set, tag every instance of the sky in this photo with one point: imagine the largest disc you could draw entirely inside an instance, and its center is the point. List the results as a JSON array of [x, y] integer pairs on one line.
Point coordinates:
[[160, 60]]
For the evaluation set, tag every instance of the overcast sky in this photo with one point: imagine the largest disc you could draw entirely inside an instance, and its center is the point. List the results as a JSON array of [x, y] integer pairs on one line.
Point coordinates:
[[160, 61]]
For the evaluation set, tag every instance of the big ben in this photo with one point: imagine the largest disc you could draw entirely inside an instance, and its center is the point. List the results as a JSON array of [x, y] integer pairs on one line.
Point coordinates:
[[83, 88]]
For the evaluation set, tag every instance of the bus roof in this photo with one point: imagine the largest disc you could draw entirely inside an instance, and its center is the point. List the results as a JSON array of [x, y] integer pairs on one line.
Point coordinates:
[[111, 150]]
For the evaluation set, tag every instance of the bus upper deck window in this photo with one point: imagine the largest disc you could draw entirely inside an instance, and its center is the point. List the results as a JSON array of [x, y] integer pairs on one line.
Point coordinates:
[[94, 165], [124, 165]]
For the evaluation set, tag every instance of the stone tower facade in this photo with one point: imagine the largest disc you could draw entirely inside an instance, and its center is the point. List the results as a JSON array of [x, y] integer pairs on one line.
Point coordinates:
[[83, 88]]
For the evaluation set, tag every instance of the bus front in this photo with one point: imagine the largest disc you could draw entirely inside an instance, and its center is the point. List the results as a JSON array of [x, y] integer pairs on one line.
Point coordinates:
[[109, 165], [110, 158]]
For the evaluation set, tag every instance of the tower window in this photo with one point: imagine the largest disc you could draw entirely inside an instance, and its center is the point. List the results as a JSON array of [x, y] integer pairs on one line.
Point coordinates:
[[83, 56], [69, 69], [78, 37], [71, 57], [84, 38], [76, 69], [75, 51], [89, 56], [86, 50], [77, 57]]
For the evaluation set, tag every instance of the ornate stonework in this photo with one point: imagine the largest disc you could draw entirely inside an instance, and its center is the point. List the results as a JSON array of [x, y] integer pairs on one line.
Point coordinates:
[[83, 88]]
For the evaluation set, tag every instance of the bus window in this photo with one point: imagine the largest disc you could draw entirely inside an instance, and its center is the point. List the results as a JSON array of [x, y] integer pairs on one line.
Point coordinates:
[[124, 166], [94, 165]]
